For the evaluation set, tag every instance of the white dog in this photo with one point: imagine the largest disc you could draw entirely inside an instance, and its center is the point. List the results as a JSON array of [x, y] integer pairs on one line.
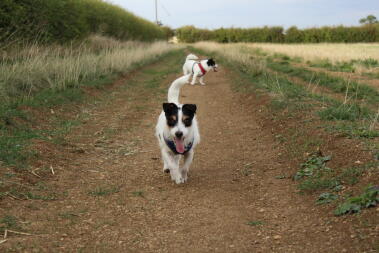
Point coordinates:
[[198, 68], [177, 133]]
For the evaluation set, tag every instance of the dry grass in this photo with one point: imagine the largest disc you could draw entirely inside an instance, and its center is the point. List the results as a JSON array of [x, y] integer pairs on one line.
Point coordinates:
[[235, 53], [314, 52], [23, 71]]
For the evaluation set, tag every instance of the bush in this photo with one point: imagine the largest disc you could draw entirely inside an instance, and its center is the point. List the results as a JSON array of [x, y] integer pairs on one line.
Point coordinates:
[[341, 34], [66, 20]]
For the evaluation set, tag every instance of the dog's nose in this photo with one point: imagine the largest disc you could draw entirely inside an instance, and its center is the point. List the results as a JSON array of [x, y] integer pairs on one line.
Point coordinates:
[[179, 134]]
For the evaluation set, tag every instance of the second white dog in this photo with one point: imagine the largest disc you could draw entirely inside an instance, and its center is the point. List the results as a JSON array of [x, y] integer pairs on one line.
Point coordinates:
[[177, 133], [193, 66]]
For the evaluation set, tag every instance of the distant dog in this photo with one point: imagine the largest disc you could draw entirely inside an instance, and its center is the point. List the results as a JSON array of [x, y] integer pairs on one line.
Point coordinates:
[[198, 68], [177, 132]]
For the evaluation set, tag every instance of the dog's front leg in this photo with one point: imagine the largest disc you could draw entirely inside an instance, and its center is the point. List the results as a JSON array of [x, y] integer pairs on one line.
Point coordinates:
[[188, 157], [201, 80], [172, 163], [194, 79]]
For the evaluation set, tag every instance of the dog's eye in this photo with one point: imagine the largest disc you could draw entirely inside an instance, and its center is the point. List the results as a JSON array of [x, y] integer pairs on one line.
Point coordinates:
[[187, 122], [171, 121]]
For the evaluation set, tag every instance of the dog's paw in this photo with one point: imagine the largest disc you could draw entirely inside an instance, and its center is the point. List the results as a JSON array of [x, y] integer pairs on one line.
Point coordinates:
[[202, 83], [180, 180], [192, 83]]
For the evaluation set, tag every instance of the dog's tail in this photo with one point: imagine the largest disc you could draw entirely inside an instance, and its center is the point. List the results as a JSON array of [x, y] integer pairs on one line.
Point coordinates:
[[173, 91], [192, 57]]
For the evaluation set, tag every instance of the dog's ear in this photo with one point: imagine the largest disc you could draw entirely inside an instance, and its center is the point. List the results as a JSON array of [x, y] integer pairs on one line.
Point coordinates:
[[171, 113], [170, 108], [211, 62], [189, 109]]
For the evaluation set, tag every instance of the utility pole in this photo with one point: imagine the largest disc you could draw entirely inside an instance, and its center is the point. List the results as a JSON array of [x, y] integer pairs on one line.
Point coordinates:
[[156, 14]]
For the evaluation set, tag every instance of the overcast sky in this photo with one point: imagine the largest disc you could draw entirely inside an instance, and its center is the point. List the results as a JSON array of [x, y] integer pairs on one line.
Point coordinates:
[[253, 13]]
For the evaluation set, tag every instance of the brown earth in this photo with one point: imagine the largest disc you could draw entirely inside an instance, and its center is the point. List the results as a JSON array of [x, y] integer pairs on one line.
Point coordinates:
[[114, 197]]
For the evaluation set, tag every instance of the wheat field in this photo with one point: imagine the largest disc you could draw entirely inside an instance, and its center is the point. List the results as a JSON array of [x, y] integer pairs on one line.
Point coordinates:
[[334, 52]]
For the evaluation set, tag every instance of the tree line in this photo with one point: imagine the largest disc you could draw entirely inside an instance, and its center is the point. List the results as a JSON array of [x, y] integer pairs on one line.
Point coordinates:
[[67, 20], [277, 34]]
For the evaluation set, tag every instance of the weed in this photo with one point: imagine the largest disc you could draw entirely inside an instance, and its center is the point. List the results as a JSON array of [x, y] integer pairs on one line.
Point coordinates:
[[318, 183], [314, 164], [31, 195], [351, 175], [9, 222], [326, 198], [104, 191], [354, 130], [350, 112], [255, 223], [67, 215], [369, 198], [138, 194]]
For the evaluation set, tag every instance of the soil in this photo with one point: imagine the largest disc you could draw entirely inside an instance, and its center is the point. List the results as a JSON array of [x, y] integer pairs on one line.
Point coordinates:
[[112, 195]]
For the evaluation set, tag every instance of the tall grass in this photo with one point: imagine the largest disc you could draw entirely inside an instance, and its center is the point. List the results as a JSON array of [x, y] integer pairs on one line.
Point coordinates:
[[234, 53], [27, 71]]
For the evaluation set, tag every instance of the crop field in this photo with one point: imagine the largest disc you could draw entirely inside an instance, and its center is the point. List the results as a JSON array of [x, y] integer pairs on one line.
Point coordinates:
[[333, 52], [289, 152]]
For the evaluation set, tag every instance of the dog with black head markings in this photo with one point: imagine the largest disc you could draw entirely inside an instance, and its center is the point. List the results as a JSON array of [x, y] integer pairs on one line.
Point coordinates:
[[198, 68], [177, 132]]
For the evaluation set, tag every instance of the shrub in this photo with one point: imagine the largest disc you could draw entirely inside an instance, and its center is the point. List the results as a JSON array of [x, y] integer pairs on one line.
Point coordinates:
[[366, 33], [66, 20]]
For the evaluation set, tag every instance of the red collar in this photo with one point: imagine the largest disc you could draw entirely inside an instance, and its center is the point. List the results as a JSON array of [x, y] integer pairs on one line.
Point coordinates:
[[202, 69]]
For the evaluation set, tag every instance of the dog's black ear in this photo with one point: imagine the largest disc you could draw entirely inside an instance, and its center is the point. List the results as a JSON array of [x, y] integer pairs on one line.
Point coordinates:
[[211, 62], [171, 113], [170, 108], [189, 109]]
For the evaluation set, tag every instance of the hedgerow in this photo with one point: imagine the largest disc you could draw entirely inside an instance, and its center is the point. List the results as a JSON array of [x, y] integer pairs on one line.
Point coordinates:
[[67, 20], [340, 34]]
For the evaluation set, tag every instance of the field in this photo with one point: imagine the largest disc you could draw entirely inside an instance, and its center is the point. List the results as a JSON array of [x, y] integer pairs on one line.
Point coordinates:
[[323, 51], [288, 162], [289, 159]]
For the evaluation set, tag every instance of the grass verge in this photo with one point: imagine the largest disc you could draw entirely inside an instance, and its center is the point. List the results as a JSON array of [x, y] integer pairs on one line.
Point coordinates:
[[313, 113]]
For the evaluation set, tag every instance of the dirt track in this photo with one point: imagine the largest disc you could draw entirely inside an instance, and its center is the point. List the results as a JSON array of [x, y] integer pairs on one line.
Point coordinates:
[[117, 199]]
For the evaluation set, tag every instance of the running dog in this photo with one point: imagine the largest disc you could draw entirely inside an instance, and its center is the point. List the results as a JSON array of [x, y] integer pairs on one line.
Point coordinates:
[[198, 68], [177, 133]]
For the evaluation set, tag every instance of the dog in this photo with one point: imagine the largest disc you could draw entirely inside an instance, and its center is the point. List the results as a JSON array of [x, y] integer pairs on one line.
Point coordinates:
[[198, 68], [177, 133]]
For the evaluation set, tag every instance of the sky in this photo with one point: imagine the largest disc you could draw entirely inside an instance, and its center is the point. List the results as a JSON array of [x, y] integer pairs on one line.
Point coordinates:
[[213, 14]]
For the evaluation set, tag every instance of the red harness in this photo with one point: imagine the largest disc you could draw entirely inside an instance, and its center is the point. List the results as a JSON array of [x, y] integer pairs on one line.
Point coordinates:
[[202, 69]]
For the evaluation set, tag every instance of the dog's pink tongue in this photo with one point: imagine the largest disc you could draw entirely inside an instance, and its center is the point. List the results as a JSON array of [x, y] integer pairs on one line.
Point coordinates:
[[179, 146]]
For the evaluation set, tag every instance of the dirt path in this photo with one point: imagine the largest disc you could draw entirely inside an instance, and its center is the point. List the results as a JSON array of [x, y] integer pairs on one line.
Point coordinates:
[[115, 197]]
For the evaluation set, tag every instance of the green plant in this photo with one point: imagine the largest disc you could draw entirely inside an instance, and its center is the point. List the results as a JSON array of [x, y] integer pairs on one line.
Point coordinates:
[[325, 198], [354, 130], [350, 112], [255, 223], [138, 194], [104, 190], [9, 222], [312, 166], [369, 198], [68, 20]]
